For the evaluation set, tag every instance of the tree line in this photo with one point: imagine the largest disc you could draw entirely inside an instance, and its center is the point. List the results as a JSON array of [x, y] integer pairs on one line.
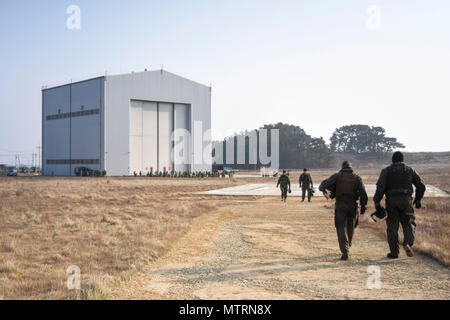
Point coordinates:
[[358, 138], [297, 149]]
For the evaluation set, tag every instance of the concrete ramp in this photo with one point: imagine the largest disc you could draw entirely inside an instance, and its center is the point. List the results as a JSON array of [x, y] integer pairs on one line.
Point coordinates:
[[266, 189]]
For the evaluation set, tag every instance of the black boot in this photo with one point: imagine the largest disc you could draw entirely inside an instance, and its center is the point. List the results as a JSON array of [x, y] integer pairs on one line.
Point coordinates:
[[392, 256], [408, 250]]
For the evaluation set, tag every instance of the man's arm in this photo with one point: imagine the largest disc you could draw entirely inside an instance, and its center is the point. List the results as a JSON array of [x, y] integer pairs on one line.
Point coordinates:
[[381, 187], [289, 182], [363, 199], [311, 182], [300, 181], [328, 183], [420, 189], [279, 180]]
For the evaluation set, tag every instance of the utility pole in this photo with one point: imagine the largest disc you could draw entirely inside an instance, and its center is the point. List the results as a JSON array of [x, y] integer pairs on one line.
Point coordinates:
[[34, 161], [39, 157], [17, 161]]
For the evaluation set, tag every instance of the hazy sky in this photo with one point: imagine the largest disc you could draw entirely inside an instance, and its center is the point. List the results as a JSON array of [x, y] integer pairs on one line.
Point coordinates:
[[316, 64]]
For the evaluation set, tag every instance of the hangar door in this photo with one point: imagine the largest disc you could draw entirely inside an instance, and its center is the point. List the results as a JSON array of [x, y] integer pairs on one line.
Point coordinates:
[[181, 138], [143, 135], [152, 135]]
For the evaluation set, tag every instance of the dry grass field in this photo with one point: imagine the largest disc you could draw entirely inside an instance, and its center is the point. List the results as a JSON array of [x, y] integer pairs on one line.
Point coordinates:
[[113, 227], [107, 227]]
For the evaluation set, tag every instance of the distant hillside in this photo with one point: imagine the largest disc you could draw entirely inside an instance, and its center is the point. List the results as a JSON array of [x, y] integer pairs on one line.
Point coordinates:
[[370, 160]]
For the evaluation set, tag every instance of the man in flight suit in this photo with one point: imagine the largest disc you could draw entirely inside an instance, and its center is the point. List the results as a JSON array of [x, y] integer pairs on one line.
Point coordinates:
[[348, 188], [285, 185], [396, 182], [306, 184]]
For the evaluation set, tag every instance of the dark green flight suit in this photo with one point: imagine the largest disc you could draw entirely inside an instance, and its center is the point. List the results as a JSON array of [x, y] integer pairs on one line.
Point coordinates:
[[306, 184], [396, 182], [285, 184], [348, 188]]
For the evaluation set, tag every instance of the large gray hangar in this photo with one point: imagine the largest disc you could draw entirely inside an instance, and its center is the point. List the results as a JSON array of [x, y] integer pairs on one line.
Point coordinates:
[[127, 123]]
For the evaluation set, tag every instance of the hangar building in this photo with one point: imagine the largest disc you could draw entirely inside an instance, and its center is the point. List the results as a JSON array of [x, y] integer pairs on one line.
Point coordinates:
[[125, 123]]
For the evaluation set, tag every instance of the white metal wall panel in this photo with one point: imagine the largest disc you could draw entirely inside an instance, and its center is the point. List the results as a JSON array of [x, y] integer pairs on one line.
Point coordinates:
[[165, 131], [136, 118], [143, 137], [136, 136], [150, 136], [136, 154], [181, 138]]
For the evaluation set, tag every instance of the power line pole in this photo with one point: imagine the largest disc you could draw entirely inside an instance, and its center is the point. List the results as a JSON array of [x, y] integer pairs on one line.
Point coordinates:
[[39, 157], [17, 161]]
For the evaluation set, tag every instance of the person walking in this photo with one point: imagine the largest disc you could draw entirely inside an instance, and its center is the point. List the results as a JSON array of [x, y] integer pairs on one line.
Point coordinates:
[[348, 188]]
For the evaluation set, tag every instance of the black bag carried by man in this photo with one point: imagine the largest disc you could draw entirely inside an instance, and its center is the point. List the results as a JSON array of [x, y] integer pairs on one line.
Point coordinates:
[[379, 215]]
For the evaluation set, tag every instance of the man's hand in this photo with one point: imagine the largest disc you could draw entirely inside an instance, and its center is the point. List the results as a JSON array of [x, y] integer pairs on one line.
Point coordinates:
[[290, 190], [377, 205], [363, 209], [417, 203]]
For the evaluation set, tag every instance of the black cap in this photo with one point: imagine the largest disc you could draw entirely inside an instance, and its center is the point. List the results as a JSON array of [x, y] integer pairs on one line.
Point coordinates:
[[397, 157], [305, 169], [284, 171], [346, 164]]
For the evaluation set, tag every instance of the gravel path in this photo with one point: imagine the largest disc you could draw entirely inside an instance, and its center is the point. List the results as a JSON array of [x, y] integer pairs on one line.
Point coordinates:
[[265, 249]]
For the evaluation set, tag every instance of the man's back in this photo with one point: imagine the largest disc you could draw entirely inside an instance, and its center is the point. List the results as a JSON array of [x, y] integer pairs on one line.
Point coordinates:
[[347, 184], [398, 180]]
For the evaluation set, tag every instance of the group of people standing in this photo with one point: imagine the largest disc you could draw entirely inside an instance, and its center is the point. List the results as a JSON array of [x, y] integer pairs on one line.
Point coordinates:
[[395, 183]]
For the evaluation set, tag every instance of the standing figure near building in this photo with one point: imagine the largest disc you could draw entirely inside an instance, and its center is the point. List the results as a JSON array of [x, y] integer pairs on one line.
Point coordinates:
[[396, 182], [348, 188], [285, 185], [306, 184]]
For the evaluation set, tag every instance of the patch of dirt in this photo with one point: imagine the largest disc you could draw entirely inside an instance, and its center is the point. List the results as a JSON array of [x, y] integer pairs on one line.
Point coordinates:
[[266, 249]]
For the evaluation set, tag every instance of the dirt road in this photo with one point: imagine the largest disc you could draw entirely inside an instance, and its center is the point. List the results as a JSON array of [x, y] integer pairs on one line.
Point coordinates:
[[265, 249]]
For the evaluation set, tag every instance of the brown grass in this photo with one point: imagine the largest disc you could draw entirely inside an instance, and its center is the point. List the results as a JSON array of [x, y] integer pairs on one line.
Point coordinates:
[[112, 227], [109, 228]]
